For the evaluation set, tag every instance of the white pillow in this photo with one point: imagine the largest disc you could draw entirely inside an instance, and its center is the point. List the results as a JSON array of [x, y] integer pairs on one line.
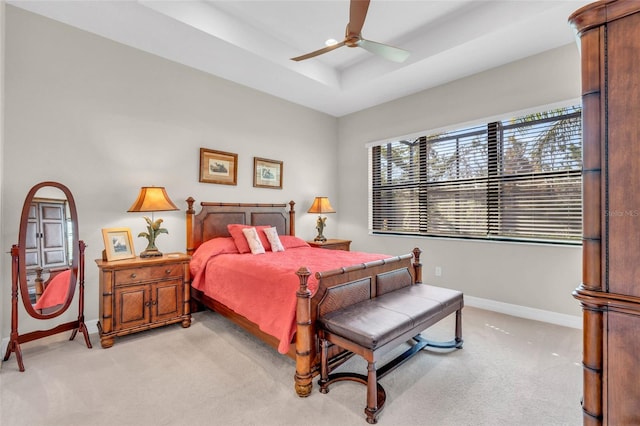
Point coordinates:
[[274, 240], [251, 234]]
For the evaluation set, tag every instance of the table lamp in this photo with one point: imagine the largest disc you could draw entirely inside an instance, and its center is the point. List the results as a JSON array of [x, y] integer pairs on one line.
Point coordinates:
[[152, 199], [321, 205]]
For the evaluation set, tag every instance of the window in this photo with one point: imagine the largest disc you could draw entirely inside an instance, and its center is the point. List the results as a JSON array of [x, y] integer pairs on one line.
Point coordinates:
[[517, 179]]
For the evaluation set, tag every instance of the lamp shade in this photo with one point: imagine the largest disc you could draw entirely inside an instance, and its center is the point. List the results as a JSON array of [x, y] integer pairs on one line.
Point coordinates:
[[152, 199], [321, 205]]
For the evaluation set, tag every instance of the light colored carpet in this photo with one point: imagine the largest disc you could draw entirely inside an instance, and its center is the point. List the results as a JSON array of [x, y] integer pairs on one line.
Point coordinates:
[[511, 371]]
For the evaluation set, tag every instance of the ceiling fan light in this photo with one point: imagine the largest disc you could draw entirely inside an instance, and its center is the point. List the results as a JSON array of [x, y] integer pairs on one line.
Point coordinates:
[[331, 42]]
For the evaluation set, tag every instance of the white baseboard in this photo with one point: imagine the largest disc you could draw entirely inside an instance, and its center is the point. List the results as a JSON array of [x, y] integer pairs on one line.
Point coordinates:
[[92, 326], [3, 348], [524, 312]]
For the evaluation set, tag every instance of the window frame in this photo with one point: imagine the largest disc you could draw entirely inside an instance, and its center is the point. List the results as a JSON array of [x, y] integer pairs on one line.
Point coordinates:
[[495, 179]]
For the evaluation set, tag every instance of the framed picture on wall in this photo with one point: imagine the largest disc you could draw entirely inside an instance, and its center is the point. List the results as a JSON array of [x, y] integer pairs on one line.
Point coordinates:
[[218, 167], [267, 173], [118, 244]]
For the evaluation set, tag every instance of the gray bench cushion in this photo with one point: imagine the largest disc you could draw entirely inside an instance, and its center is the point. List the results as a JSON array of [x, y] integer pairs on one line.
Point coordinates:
[[374, 322]]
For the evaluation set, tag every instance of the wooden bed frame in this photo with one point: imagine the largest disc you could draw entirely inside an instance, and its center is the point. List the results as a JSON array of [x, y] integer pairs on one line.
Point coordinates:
[[211, 222]]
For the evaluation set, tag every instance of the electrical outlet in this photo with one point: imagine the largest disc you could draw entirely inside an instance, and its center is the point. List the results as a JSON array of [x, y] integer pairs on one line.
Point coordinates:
[[438, 271]]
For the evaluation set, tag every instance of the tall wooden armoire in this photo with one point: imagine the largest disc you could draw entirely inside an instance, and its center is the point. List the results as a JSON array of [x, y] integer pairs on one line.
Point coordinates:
[[609, 34]]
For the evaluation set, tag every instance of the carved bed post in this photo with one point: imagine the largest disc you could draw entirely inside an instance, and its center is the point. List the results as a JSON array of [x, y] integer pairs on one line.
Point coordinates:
[[417, 266], [292, 218], [190, 213], [304, 337]]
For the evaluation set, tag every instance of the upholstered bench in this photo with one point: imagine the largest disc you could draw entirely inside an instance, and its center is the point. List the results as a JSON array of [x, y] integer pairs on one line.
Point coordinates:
[[393, 312]]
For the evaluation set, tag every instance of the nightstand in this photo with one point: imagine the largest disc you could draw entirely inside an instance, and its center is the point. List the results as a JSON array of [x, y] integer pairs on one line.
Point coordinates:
[[332, 244], [140, 294]]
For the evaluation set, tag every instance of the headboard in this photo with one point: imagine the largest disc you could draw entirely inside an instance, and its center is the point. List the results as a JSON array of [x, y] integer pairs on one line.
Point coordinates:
[[213, 218]]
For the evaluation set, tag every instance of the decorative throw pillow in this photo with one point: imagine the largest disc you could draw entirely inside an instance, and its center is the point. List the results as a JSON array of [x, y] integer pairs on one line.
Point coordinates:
[[235, 230], [289, 241], [274, 240], [251, 234]]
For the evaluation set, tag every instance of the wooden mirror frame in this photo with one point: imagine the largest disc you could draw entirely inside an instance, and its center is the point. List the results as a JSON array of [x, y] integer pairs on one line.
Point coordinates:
[[23, 244], [19, 280]]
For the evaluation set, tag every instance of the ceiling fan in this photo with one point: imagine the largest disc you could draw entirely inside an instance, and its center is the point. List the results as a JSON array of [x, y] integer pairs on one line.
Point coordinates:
[[353, 37]]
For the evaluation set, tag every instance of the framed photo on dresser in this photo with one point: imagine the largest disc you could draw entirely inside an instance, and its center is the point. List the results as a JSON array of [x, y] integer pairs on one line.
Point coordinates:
[[118, 244]]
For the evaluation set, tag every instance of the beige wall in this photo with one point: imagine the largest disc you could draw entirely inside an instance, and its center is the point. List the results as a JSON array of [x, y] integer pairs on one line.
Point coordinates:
[[4, 296], [534, 276], [105, 119]]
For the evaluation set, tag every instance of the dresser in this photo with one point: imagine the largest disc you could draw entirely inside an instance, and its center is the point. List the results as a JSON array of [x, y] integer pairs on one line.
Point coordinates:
[[609, 294], [140, 294], [332, 244]]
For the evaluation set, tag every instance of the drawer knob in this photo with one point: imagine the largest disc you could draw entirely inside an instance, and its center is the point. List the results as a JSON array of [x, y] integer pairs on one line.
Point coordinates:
[[133, 275], [168, 271]]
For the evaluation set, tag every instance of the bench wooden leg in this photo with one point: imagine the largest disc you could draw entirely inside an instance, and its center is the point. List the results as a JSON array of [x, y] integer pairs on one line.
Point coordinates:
[[376, 394], [324, 367], [459, 340], [372, 395], [456, 343]]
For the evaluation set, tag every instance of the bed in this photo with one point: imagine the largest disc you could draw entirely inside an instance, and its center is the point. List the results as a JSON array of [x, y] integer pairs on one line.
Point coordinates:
[[304, 276]]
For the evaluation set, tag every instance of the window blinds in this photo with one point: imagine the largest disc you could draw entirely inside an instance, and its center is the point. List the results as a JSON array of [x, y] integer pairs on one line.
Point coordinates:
[[513, 179]]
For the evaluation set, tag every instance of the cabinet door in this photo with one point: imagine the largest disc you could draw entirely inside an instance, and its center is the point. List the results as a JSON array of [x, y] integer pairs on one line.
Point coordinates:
[[54, 238], [621, 377], [32, 250], [46, 236], [623, 150], [131, 306], [166, 300]]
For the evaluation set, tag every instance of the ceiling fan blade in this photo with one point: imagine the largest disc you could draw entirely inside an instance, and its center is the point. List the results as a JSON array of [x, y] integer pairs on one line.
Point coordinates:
[[391, 53], [357, 14], [318, 52]]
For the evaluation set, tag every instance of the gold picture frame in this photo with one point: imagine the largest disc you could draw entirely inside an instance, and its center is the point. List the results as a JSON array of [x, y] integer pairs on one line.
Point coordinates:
[[218, 167], [267, 173], [118, 244]]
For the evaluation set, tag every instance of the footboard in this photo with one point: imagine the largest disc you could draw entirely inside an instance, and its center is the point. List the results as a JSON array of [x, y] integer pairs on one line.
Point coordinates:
[[307, 343]]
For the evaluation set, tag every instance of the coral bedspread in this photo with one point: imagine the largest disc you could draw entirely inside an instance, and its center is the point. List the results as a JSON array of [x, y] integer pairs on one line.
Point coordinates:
[[263, 287]]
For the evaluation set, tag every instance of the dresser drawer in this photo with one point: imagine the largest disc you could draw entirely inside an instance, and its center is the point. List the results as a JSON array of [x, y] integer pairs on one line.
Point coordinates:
[[136, 275], [332, 244]]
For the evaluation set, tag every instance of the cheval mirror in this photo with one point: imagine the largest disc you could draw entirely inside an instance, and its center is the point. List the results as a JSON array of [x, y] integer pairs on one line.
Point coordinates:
[[47, 264]]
